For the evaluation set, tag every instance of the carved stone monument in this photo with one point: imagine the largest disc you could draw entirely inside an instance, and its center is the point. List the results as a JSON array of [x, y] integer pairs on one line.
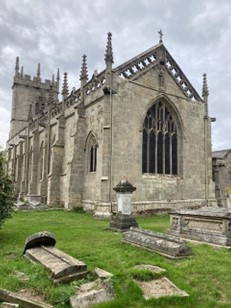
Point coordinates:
[[123, 219], [207, 224]]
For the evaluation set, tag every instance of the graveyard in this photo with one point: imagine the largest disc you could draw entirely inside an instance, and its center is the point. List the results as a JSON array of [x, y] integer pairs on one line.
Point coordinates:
[[202, 278]]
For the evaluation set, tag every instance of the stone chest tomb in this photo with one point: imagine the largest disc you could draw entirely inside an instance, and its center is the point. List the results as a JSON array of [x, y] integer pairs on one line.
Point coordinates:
[[207, 224]]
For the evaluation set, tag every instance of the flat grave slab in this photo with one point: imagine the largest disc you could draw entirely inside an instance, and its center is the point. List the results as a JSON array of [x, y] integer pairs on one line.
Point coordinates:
[[159, 287], [22, 301], [92, 293], [166, 245]]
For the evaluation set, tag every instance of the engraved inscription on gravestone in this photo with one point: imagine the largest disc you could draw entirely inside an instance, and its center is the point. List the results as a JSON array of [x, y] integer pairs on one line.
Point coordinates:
[[124, 203]]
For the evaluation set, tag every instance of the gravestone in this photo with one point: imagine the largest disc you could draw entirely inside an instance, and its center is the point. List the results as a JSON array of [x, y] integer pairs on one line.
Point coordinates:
[[207, 224], [63, 268], [123, 219]]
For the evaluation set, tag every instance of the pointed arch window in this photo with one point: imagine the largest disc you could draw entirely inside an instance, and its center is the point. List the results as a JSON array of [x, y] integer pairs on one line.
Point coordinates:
[[159, 152], [92, 153]]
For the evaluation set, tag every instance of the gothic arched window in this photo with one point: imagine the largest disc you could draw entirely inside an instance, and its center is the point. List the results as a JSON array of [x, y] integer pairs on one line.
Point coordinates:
[[159, 153], [92, 153]]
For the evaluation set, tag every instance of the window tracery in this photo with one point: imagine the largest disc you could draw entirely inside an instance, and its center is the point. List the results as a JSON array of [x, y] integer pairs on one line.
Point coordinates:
[[159, 155]]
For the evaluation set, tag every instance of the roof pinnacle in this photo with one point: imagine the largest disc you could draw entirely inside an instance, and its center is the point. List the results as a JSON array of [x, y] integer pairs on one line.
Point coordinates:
[[17, 66], [58, 77], [21, 73], [109, 53], [65, 86], [83, 74], [38, 71], [53, 80], [205, 90]]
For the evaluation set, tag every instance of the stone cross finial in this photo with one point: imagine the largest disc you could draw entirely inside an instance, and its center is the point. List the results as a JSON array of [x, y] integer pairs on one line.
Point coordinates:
[[108, 53], [38, 71], [17, 66], [161, 36], [205, 89], [65, 86], [83, 74]]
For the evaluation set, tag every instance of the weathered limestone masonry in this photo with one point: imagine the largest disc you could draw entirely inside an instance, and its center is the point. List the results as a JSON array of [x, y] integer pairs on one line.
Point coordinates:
[[142, 120], [222, 176]]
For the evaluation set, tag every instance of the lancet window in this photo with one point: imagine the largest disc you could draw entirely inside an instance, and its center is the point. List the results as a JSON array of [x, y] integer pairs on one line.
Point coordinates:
[[92, 153], [160, 144]]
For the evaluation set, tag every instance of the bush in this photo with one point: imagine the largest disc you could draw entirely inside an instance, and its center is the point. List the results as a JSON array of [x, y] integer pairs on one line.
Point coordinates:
[[6, 192]]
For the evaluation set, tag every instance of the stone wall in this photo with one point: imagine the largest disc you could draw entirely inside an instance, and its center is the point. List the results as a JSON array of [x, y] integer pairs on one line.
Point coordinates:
[[51, 158]]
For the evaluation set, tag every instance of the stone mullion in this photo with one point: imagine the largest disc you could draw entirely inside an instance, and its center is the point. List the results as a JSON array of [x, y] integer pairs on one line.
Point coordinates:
[[163, 140], [148, 151], [163, 153], [155, 129], [170, 152]]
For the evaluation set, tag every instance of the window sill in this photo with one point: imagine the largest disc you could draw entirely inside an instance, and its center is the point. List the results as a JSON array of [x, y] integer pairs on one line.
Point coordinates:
[[160, 176]]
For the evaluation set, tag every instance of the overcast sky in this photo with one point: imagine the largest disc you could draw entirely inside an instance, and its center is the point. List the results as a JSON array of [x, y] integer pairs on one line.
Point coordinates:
[[56, 34]]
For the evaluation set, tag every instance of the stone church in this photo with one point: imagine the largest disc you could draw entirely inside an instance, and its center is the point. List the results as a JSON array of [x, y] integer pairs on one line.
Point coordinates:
[[142, 120]]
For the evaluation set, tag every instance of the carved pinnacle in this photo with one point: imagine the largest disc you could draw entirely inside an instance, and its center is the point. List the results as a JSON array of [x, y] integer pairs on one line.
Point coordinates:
[[83, 74], [205, 90], [108, 53]]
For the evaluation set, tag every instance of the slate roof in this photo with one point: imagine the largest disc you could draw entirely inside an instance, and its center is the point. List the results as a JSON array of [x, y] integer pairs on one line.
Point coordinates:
[[220, 154]]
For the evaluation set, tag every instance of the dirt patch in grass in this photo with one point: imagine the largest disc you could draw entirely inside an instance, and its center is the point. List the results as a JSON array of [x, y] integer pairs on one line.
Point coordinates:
[[30, 294]]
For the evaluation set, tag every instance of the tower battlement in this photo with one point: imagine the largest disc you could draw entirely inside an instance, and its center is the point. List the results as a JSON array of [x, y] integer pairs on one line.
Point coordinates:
[[27, 90]]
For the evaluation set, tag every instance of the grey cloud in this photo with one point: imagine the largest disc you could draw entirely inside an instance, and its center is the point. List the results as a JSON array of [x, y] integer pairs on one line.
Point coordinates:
[[57, 34]]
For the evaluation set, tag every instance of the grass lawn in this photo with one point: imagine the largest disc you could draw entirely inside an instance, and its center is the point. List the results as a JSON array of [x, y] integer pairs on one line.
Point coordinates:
[[206, 276]]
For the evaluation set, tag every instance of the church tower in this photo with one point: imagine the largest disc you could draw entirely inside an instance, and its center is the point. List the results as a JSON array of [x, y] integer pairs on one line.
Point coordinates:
[[26, 91]]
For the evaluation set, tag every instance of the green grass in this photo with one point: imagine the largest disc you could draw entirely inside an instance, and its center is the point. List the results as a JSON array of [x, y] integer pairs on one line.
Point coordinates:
[[206, 276]]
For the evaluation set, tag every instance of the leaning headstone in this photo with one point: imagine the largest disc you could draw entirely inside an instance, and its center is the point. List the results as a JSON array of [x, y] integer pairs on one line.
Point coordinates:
[[208, 224], [43, 238], [164, 244], [62, 267]]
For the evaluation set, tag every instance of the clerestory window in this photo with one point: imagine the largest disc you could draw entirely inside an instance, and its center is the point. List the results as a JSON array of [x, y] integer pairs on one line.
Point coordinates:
[[159, 155]]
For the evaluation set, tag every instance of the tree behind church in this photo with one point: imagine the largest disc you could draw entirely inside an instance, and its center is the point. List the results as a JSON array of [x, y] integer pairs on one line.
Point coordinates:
[[6, 192]]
